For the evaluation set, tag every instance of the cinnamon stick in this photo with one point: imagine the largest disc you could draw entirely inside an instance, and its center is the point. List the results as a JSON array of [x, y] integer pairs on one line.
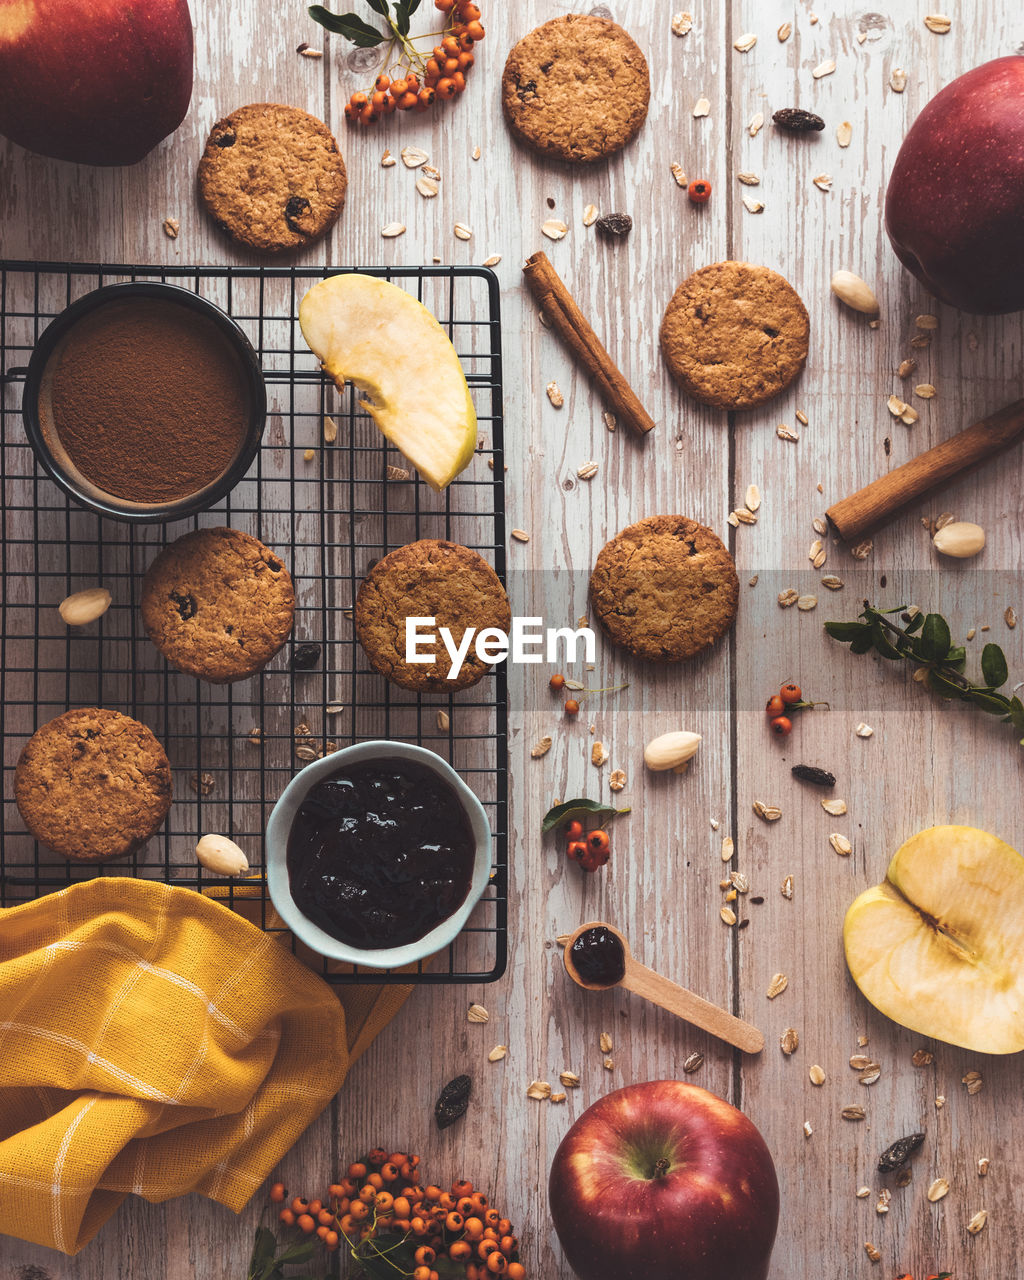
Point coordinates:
[[559, 307], [879, 502]]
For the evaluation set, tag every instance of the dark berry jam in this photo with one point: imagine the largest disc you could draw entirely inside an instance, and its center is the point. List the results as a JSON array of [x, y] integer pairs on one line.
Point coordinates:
[[380, 853], [599, 957]]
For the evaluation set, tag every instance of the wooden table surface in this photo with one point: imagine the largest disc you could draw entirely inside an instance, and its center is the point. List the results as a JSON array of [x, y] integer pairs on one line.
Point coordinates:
[[925, 763]]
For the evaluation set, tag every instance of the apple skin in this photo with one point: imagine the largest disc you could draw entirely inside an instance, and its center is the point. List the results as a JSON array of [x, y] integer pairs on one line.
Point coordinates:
[[954, 208], [94, 81], [711, 1216]]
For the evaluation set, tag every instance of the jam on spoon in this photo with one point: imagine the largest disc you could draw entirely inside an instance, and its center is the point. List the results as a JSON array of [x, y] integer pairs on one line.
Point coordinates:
[[599, 957]]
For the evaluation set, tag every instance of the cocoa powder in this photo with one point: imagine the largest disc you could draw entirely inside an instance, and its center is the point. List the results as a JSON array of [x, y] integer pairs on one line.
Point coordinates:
[[147, 398]]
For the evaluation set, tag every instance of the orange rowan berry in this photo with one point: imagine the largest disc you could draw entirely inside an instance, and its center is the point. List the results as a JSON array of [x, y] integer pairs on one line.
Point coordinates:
[[504, 1227], [335, 1191], [516, 1271], [424, 1254], [407, 101], [367, 115], [378, 100], [491, 1217], [446, 1201], [325, 1217], [382, 82], [314, 1207], [431, 71], [376, 1181], [412, 81], [463, 1187], [287, 1216], [350, 113], [464, 1205], [446, 88], [419, 1226], [454, 1221], [367, 1193], [451, 46], [348, 1224], [479, 1202], [497, 1264], [359, 1211], [465, 61], [474, 30], [460, 1250], [459, 81], [466, 42], [331, 1240], [474, 1229], [305, 1223], [385, 1202], [446, 6], [402, 1207], [321, 1231], [376, 1157], [421, 1273], [473, 1271], [469, 12], [508, 1245], [398, 87], [403, 1225], [278, 1192], [425, 98], [357, 1172]]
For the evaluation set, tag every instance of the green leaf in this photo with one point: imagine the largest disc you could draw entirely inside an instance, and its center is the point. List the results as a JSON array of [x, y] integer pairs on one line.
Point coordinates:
[[1017, 714], [263, 1249], [350, 26], [570, 809], [301, 1252], [844, 632], [402, 16], [993, 666], [381, 7], [882, 644], [944, 687], [915, 624], [863, 642], [993, 703], [935, 638], [956, 657]]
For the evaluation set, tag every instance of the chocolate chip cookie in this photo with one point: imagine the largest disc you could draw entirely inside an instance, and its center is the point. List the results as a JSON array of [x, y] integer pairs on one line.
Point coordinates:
[[734, 335], [429, 579], [218, 604], [92, 784], [272, 177], [665, 588], [576, 88]]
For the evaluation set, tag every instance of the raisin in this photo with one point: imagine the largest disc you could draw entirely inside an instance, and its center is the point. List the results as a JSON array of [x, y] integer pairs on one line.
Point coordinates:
[[226, 139], [185, 604], [305, 657], [453, 1100], [798, 121], [615, 224], [297, 207], [896, 1156], [810, 773]]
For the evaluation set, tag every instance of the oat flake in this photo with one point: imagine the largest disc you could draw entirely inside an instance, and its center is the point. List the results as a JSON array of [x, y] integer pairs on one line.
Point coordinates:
[[835, 807], [728, 915], [844, 133], [824, 68], [784, 32], [823, 181], [554, 229], [806, 603], [413, 157], [752, 206], [745, 43], [497, 1053], [681, 24], [790, 1041], [784, 433], [977, 1222], [898, 80], [840, 843], [587, 471], [777, 985], [863, 730], [701, 108], [393, 229], [590, 215], [756, 124], [462, 232], [541, 748], [492, 261], [617, 780], [938, 1189], [938, 23], [677, 172], [555, 395], [427, 187], [477, 1013]]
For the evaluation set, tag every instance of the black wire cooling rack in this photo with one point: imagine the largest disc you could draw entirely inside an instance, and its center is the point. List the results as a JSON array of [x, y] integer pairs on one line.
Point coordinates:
[[330, 510]]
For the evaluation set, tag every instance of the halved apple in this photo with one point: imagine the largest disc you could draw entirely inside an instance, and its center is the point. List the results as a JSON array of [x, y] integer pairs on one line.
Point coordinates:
[[939, 945], [375, 335]]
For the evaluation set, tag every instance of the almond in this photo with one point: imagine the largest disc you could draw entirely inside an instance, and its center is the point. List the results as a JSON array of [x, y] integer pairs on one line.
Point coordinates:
[[959, 539], [671, 751], [221, 856], [855, 292]]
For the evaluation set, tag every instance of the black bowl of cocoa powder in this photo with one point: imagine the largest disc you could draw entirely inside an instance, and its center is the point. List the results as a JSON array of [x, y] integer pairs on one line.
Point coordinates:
[[144, 402]]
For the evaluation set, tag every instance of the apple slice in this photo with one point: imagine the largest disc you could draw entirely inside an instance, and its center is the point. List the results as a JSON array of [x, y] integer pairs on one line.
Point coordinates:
[[939, 945], [377, 336]]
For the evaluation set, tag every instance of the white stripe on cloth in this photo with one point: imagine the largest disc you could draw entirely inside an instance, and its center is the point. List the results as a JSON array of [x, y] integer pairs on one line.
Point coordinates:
[[146, 1090], [56, 1197], [71, 944]]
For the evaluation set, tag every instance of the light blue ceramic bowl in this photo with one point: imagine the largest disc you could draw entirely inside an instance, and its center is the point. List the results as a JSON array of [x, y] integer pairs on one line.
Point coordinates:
[[280, 825]]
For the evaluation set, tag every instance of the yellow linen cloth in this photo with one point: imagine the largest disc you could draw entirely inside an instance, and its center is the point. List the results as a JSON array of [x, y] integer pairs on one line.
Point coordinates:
[[153, 1042]]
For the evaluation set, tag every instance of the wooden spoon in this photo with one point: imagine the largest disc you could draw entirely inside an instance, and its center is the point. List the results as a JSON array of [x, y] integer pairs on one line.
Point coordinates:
[[676, 999]]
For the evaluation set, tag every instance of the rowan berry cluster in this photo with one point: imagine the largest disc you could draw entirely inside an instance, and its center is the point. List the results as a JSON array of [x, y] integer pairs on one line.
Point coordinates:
[[416, 82], [380, 1208]]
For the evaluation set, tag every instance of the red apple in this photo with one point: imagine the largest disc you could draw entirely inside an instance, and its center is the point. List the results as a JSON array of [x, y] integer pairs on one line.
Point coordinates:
[[96, 81], [661, 1181], [954, 209]]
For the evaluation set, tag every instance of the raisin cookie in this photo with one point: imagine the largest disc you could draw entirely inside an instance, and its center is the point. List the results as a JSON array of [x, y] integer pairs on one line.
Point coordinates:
[[428, 579], [272, 177], [93, 784], [665, 588], [734, 335], [576, 87], [218, 604]]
